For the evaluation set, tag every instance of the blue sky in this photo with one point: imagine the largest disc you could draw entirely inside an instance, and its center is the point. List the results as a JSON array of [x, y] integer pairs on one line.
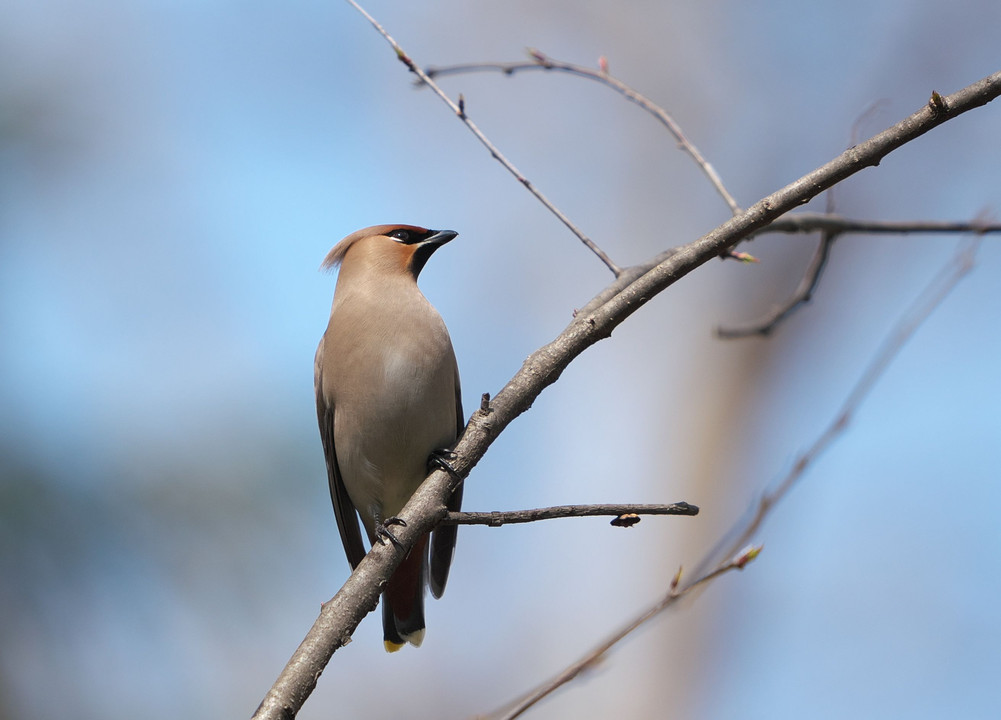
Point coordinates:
[[171, 175]]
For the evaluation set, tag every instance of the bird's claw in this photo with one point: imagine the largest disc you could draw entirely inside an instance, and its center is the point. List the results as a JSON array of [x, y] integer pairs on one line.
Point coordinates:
[[440, 459], [384, 533]]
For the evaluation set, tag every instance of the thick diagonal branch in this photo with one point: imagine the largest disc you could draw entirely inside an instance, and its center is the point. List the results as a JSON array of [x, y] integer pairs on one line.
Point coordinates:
[[741, 533], [631, 290]]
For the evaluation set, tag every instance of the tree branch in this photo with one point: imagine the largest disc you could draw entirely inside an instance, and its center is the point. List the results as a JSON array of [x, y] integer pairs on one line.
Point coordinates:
[[460, 111], [496, 519], [742, 532], [802, 295], [632, 288], [937, 290], [601, 75], [674, 593], [799, 223], [831, 227]]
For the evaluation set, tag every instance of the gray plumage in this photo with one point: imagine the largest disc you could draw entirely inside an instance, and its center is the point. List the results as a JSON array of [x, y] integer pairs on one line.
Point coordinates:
[[387, 396]]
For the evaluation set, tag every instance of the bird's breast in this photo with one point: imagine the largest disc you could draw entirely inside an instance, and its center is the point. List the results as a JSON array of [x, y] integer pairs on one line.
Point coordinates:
[[394, 403]]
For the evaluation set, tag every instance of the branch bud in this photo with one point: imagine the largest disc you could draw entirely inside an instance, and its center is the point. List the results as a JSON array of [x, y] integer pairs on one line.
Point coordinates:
[[747, 555]]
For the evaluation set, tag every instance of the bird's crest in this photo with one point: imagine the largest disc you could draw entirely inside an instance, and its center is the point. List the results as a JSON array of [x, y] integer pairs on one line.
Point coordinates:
[[336, 256]]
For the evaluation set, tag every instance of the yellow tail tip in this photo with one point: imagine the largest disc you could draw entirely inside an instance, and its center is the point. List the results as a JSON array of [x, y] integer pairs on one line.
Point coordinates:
[[414, 638]]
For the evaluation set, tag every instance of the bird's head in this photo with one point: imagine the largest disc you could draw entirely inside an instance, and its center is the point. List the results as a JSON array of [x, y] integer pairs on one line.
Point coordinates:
[[391, 248]]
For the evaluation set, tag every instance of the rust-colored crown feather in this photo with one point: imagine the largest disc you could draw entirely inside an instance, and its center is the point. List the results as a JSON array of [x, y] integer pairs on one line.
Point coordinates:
[[336, 256]]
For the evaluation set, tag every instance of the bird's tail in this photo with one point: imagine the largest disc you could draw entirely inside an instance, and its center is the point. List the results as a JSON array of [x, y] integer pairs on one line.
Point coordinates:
[[403, 600]]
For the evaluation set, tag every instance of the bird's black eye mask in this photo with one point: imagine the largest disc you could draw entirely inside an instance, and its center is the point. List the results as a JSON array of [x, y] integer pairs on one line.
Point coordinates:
[[411, 237]]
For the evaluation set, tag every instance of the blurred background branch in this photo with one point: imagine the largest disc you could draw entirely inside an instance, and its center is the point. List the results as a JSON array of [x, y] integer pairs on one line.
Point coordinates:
[[459, 108], [595, 322], [541, 61], [171, 175]]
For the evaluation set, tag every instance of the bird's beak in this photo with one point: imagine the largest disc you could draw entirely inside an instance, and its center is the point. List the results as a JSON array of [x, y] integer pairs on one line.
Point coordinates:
[[440, 238]]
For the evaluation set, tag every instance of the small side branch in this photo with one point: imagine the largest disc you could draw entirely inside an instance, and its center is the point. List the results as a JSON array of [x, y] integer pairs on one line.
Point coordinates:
[[459, 109], [541, 61], [674, 593], [803, 294], [802, 223], [924, 305], [595, 321], [708, 570], [496, 519], [831, 227]]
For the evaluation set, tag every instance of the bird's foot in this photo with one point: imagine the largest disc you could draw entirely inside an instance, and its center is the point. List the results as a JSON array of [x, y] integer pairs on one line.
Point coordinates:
[[383, 532], [441, 460]]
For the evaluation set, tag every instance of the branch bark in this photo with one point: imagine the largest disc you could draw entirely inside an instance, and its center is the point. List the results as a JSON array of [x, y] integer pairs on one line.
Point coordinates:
[[496, 519], [632, 288], [517, 707], [832, 227], [826, 222], [541, 61], [459, 108], [743, 530]]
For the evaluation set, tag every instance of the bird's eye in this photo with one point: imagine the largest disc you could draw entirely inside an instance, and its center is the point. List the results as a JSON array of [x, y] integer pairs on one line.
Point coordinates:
[[401, 235]]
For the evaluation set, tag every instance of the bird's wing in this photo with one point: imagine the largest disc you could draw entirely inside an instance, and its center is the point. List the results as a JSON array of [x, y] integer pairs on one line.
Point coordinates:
[[344, 509], [443, 538]]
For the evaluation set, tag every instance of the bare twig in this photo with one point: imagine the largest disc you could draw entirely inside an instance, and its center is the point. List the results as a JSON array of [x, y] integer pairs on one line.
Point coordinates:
[[929, 299], [802, 295], [674, 593], [801, 223], [540, 61], [831, 227], [496, 519], [460, 112], [740, 535], [804, 291], [632, 289]]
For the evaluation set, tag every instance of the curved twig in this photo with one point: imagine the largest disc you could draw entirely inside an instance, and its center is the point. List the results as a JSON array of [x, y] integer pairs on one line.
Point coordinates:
[[517, 707], [937, 290], [802, 295], [540, 61], [831, 227], [459, 108], [929, 299], [632, 288]]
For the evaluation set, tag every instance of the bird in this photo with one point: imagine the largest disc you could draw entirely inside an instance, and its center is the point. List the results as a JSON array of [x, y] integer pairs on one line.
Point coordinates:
[[389, 404]]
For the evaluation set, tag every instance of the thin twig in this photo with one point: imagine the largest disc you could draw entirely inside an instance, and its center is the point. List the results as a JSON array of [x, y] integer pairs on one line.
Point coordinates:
[[674, 593], [460, 112], [738, 537], [832, 226], [811, 279], [594, 322], [930, 298], [496, 519], [804, 291], [802, 295], [804, 223], [544, 62]]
